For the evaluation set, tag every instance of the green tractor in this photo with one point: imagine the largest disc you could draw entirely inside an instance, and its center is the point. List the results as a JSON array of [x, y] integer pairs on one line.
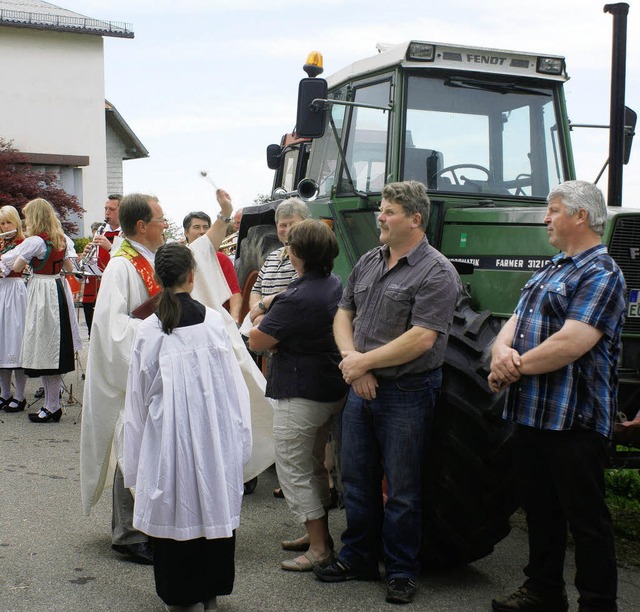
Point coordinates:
[[487, 132]]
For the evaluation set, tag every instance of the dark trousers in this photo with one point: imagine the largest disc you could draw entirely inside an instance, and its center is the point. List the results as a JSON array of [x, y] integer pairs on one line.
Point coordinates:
[[561, 481], [386, 434]]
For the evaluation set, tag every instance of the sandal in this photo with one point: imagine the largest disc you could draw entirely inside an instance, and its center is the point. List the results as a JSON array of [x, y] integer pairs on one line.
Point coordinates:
[[311, 561], [301, 544]]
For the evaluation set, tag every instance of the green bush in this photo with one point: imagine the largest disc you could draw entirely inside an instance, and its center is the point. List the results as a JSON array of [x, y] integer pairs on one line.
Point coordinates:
[[80, 243], [623, 499]]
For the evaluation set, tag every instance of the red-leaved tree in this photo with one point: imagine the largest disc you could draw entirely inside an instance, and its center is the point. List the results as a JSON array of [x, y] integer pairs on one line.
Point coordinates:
[[20, 183]]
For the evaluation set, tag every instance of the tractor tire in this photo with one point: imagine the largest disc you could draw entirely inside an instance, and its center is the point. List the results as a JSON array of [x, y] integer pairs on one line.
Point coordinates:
[[259, 242], [469, 482]]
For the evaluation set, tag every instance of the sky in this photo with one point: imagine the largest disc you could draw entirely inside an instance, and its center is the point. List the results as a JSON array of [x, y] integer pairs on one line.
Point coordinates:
[[208, 84]]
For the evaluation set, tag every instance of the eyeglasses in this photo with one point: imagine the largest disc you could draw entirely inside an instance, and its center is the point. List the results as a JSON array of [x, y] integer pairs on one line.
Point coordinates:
[[163, 220]]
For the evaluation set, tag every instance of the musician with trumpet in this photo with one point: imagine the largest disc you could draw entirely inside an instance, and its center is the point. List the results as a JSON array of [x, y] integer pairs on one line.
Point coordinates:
[[13, 306], [99, 251]]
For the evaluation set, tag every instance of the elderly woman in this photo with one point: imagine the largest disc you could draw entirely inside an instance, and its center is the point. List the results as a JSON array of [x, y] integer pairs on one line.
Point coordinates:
[[13, 305], [48, 342], [305, 381]]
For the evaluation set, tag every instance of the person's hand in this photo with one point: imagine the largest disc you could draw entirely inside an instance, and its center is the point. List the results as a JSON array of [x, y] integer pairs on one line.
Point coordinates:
[[365, 386], [353, 365], [224, 199], [494, 384], [634, 423], [102, 241], [505, 362]]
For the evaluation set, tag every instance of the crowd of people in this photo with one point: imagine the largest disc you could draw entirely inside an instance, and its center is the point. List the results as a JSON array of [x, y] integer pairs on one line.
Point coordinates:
[[177, 416]]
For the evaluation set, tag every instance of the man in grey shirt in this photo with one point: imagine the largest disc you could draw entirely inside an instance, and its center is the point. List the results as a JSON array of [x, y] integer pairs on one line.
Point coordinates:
[[391, 327]]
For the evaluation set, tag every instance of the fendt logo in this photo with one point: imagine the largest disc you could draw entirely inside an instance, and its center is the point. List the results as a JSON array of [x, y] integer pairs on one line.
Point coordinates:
[[634, 252], [485, 59]]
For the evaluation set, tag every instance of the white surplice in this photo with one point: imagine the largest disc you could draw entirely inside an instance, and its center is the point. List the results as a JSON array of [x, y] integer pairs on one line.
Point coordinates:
[[187, 430], [212, 290], [112, 334]]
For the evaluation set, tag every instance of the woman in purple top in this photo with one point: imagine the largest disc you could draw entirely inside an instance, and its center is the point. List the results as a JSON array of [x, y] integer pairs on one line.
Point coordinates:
[[305, 381]]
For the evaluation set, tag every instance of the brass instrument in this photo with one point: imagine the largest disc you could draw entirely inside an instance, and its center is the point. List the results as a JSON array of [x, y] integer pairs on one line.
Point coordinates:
[[5, 235], [91, 253], [229, 244]]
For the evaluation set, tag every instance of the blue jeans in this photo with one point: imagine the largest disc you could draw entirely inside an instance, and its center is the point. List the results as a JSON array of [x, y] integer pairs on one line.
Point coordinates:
[[387, 434]]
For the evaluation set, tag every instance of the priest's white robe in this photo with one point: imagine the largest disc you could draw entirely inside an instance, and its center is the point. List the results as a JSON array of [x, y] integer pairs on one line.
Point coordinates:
[[211, 289], [112, 334], [187, 431]]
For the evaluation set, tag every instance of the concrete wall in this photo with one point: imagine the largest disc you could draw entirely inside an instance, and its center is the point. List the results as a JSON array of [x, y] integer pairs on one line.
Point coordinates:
[[52, 101]]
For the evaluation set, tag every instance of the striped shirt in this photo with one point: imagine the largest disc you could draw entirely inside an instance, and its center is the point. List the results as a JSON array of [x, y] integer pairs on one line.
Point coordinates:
[[588, 287], [275, 275]]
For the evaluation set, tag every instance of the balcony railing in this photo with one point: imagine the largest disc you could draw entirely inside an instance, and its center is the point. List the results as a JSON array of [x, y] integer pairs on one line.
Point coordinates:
[[65, 23]]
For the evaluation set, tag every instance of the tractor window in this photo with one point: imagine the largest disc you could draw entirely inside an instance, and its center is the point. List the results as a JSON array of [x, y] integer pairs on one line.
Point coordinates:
[[475, 135], [324, 156], [366, 150], [289, 166]]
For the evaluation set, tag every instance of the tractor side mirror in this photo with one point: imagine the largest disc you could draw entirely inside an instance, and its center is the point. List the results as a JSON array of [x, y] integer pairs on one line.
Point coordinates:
[[311, 118], [274, 154]]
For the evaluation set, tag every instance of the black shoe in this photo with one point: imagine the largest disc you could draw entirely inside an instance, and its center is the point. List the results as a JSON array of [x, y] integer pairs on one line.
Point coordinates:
[[13, 405], [35, 417], [39, 394], [140, 552], [4, 402], [250, 486], [531, 601], [339, 571], [401, 590]]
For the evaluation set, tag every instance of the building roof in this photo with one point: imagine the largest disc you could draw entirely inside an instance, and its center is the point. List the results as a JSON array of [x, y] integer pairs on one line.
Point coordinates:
[[41, 15], [133, 146]]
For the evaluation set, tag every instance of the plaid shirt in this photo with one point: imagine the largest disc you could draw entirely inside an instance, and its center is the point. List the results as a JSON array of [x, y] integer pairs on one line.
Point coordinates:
[[588, 287]]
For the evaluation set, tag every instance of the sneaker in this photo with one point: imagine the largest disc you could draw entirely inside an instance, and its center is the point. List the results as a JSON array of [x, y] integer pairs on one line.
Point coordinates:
[[339, 571], [530, 601], [401, 590]]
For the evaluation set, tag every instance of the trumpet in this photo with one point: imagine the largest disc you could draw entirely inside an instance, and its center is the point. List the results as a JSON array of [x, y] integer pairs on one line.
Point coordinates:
[[91, 253]]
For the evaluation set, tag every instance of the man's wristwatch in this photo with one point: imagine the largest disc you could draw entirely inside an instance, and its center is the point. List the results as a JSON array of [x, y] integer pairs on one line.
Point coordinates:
[[262, 306], [224, 219]]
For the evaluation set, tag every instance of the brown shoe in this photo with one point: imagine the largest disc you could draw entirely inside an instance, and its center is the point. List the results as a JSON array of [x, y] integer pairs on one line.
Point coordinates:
[[531, 601], [310, 561]]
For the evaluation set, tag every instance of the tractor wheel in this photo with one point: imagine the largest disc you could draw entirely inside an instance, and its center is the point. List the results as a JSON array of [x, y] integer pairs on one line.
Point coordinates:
[[469, 491], [259, 242]]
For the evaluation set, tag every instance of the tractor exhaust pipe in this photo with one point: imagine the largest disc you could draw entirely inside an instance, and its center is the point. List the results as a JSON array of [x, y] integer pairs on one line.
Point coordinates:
[[617, 110]]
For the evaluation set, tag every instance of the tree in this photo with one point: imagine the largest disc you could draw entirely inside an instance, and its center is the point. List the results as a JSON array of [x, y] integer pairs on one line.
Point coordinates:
[[20, 183]]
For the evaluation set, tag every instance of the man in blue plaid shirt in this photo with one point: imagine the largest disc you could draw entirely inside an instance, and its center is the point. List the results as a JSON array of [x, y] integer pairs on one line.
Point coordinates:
[[558, 355]]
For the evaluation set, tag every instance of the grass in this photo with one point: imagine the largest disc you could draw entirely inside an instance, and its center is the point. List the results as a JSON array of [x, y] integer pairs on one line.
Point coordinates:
[[623, 498]]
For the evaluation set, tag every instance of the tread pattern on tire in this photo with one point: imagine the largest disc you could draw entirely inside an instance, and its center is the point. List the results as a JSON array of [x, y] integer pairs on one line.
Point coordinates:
[[469, 491]]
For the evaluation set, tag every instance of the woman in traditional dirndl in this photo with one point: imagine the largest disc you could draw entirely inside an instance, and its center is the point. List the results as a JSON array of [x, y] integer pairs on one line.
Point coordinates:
[[13, 306], [48, 347]]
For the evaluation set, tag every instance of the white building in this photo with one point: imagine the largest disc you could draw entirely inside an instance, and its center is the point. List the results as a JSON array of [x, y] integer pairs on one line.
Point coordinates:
[[52, 100]]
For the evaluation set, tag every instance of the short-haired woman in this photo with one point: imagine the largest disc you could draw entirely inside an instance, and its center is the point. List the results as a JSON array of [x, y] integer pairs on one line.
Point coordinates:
[[305, 381], [187, 436]]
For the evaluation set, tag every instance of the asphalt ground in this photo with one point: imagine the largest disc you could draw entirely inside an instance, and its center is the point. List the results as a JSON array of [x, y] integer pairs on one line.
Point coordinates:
[[52, 557]]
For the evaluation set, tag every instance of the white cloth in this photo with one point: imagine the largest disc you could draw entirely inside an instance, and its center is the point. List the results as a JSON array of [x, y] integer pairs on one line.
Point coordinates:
[[112, 335], [13, 307], [211, 289], [187, 431]]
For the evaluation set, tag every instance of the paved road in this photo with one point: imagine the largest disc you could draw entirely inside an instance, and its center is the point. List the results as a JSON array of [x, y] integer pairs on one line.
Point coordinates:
[[52, 557]]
